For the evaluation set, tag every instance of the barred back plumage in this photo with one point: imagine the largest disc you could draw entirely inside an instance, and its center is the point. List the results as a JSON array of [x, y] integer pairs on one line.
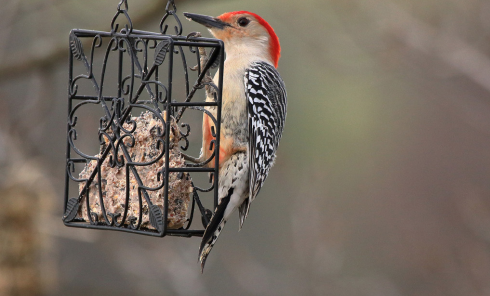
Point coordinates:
[[267, 102]]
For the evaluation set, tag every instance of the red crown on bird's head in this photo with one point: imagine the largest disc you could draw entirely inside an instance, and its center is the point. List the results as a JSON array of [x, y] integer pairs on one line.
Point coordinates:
[[274, 46]]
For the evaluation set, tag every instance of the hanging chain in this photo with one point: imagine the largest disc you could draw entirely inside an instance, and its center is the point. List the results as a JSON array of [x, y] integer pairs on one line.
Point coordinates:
[[115, 26], [170, 9]]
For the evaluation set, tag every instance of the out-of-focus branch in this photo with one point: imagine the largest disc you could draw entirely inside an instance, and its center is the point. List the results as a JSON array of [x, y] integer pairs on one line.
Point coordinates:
[[421, 36], [7, 17], [31, 59]]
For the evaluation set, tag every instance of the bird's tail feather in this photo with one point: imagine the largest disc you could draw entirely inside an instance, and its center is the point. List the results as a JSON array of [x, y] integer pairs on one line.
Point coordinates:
[[213, 229], [243, 211]]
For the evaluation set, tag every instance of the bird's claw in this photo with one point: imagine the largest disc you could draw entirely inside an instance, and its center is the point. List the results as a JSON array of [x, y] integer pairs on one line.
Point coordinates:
[[192, 159], [204, 59], [193, 34], [207, 79]]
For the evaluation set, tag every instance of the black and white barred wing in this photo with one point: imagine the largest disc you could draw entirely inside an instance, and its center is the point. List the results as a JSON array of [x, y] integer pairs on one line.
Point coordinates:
[[267, 102]]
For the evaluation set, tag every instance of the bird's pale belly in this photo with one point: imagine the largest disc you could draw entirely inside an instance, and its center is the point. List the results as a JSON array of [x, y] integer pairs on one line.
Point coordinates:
[[233, 135]]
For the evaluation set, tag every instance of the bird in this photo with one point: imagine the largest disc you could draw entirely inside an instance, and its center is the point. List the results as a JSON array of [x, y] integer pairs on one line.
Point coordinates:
[[254, 103]]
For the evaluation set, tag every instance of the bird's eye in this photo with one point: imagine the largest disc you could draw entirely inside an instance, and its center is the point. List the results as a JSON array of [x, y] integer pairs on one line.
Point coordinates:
[[243, 21]]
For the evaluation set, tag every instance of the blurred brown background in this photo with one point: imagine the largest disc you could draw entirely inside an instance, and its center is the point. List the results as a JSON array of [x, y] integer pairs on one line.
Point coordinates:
[[382, 183]]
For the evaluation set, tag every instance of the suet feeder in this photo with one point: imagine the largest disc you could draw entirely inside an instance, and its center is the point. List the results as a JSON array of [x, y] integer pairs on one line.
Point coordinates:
[[137, 180]]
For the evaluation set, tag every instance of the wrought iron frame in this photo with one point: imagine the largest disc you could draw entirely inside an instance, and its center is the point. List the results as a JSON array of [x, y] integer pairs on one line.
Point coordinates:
[[137, 45]]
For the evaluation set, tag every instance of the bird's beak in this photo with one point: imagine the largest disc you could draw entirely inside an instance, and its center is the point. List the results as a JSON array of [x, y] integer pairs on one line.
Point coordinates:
[[207, 21]]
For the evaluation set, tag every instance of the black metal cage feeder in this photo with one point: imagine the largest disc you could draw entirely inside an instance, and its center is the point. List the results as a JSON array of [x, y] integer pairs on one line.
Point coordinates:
[[134, 184]]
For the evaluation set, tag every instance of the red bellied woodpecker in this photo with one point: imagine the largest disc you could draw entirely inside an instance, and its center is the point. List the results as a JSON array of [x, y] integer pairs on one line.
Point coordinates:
[[253, 114]]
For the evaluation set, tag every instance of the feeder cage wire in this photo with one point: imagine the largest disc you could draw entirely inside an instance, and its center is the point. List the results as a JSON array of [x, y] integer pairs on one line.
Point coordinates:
[[142, 59]]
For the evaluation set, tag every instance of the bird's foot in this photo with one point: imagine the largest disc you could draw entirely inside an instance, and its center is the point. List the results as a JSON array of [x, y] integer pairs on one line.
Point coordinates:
[[193, 34], [192, 159]]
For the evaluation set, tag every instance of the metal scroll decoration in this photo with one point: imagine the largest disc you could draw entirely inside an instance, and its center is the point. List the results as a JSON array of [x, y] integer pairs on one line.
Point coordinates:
[[138, 75]]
